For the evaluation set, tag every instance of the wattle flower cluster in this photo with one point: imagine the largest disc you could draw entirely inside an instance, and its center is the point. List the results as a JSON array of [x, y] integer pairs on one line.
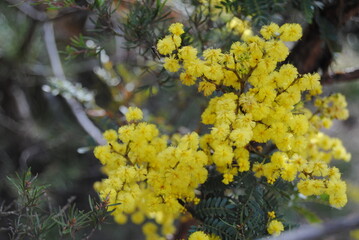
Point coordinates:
[[260, 109], [146, 177], [262, 104]]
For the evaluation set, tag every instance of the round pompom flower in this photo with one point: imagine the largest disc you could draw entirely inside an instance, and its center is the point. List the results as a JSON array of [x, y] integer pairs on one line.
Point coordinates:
[[134, 114], [166, 45], [290, 32], [187, 79], [269, 31], [110, 135], [206, 87], [171, 64], [275, 227], [176, 29], [188, 53], [199, 235]]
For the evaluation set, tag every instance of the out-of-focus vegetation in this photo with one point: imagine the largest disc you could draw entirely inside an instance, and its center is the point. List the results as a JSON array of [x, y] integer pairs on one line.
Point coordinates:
[[107, 51], [31, 215]]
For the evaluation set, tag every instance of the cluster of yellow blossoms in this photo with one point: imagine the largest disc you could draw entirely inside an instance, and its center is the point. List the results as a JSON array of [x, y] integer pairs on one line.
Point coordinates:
[[261, 105], [146, 177]]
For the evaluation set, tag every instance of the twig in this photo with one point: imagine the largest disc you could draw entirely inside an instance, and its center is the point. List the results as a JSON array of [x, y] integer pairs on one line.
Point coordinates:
[[58, 71], [64, 208], [40, 16], [318, 231], [3, 229], [89, 235], [341, 77], [4, 214], [10, 124], [29, 11]]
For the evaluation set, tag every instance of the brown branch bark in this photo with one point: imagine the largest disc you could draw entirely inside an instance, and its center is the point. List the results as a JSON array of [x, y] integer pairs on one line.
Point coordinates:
[[341, 77], [318, 231]]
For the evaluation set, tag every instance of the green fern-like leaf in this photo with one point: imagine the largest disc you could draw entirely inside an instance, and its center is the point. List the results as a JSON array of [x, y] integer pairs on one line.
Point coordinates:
[[243, 215], [254, 211], [215, 207], [220, 227]]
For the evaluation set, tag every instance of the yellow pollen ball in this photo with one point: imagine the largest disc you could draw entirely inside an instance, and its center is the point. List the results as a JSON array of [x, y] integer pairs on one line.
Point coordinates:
[[176, 29], [134, 114], [199, 235], [275, 227]]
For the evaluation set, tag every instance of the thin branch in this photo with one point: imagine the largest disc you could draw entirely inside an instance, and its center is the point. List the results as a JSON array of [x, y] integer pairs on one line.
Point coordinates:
[[40, 16], [318, 231], [67, 206], [4, 229], [11, 124], [29, 11], [341, 77], [90, 234], [58, 71], [4, 214]]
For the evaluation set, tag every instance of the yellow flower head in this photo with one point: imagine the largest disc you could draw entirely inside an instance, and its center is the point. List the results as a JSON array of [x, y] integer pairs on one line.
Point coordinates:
[[176, 29], [227, 178], [206, 87], [188, 53], [290, 32], [238, 25], [199, 235], [134, 114], [338, 200], [271, 214], [275, 227], [270, 31], [171, 64], [213, 55], [110, 135], [187, 79], [166, 45]]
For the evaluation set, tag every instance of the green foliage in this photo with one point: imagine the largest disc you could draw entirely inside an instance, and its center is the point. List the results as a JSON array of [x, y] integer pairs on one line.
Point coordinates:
[[25, 187], [258, 9], [80, 46], [241, 212], [31, 216], [217, 215], [215, 207], [218, 227], [143, 22], [262, 11]]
